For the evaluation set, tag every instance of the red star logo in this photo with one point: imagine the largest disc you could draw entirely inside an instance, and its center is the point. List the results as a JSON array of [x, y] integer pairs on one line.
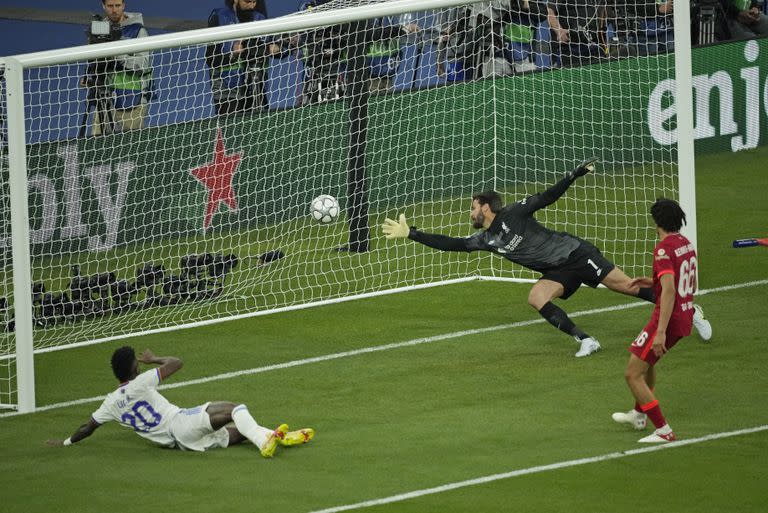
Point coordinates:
[[217, 178]]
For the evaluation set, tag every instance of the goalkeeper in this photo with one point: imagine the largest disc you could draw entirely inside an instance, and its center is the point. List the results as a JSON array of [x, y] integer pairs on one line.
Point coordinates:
[[564, 260]]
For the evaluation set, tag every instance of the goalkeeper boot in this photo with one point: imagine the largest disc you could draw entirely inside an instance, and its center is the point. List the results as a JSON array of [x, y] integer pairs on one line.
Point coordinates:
[[269, 447], [632, 417], [298, 437], [662, 435], [588, 346], [701, 324]]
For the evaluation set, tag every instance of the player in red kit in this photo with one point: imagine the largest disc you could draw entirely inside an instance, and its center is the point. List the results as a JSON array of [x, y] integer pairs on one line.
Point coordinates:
[[674, 282]]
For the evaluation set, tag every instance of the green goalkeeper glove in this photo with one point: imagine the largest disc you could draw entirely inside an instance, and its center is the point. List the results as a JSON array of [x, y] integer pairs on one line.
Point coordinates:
[[395, 229], [585, 167]]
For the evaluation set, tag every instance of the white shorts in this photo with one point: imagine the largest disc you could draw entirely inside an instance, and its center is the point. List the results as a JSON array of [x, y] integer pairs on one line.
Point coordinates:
[[192, 431]]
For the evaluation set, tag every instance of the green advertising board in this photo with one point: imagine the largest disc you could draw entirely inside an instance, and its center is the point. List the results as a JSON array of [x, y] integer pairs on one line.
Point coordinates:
[[166, 182]]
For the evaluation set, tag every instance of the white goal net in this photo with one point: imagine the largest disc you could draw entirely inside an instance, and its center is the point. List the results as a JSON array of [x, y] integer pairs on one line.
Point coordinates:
[[169, 184]]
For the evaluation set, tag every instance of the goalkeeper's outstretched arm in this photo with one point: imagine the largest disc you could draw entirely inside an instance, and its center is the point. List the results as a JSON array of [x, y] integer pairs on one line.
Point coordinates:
[[546, 198], [399, 230]]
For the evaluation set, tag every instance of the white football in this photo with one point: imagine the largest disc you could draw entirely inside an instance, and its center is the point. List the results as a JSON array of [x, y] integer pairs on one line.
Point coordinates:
[[324, 209]]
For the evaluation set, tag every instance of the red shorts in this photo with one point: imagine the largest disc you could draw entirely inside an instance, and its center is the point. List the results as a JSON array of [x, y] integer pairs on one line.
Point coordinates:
[[642, 347]]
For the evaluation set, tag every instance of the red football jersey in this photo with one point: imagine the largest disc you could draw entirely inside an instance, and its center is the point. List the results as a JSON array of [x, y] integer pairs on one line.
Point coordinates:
[[675, 255]]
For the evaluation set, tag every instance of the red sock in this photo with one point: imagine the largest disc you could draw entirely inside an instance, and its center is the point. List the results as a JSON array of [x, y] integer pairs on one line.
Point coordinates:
[[653, 411]]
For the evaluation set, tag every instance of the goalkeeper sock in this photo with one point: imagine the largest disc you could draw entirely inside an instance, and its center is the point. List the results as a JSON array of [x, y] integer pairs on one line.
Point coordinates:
[[560, 320], [248, 426], [647, 294]]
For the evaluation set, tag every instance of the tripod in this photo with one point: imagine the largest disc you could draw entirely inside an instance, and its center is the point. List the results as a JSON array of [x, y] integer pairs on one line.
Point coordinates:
[[709, 24], [707, 19], [99, 98], [100, 101]]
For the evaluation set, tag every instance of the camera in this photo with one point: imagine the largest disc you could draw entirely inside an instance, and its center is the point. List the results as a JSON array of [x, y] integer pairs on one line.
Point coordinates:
[[221, 266], [708, 22], [96, 79], [88, 295], [54, 308], [193, 266], [202, 275], [149, 275], [103, 30], [38, 290]]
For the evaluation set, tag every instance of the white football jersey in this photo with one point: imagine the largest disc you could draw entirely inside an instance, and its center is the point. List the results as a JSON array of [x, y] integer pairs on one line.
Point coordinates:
[[138, 405]]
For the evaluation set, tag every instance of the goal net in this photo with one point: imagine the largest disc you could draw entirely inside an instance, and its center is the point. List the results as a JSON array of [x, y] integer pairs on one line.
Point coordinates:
[[170, 178]]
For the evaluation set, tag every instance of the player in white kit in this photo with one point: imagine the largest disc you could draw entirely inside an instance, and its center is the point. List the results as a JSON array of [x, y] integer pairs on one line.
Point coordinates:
[[138, 405]]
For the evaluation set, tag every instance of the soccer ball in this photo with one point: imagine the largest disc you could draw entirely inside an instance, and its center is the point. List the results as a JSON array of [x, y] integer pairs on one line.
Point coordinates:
[[324, 209]]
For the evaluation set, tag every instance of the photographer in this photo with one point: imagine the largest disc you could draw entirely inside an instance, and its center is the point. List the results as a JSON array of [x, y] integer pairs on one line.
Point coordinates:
[[652, 26], [579, 29], [238, 77], [745, 18], [321, 53], [119, 88]]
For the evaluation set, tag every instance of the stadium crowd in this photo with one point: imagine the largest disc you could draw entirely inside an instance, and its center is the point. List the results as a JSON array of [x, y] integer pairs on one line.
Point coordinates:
[[471, 42]]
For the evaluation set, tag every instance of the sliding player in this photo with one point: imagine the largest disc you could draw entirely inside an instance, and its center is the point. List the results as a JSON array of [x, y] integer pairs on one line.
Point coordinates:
[[674, 282], [564, 260], [138, 405]]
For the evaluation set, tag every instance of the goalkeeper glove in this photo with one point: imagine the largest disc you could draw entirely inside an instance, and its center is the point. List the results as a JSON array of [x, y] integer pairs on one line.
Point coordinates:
[[395, 229], [585, 167]]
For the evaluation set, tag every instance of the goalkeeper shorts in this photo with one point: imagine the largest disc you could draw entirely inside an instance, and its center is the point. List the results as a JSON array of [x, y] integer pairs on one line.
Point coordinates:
[[586, 264]]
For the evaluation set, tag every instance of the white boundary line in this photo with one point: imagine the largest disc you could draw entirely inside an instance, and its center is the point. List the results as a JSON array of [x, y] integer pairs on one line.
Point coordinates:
[[536, 470], [385, 347]]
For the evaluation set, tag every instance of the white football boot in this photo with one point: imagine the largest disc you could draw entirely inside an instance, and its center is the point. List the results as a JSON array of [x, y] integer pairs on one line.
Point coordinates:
[[660, 436], [633, 417], [588, 346], [701, 324]]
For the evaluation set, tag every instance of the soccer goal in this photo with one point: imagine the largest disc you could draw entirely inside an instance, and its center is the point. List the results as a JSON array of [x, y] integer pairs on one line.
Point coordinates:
[[161, 183]]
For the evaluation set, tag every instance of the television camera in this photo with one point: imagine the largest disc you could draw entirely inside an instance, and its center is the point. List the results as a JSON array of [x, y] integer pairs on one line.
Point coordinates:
[[100, 95]]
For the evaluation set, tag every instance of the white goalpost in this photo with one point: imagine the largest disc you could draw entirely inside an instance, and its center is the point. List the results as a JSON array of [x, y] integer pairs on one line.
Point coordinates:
[[164, 182]]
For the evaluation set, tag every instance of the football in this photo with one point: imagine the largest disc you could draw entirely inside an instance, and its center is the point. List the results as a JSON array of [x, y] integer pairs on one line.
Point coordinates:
[[324, 209]]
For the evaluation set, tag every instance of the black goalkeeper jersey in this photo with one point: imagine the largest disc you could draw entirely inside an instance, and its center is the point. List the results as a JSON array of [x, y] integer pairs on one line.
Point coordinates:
[[515, 234]]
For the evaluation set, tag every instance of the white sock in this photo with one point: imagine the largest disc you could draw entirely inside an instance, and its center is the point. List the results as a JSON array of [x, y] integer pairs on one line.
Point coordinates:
[[248, 426]]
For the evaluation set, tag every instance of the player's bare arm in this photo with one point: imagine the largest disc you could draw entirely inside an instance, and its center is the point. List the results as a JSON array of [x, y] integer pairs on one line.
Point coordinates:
[[82, 432], [641, 282], [168, 364], [666, 304]]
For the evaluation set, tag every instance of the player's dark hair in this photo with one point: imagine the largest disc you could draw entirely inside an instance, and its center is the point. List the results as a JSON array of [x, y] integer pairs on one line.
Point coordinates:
[[490, 198], [260, 7], [122, 363], [668, 215]]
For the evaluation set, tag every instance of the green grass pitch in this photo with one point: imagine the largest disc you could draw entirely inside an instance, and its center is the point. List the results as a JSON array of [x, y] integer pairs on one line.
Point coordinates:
[[448, 410]]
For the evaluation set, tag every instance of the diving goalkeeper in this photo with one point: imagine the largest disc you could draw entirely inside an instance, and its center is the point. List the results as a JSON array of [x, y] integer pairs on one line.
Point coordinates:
[[564, 260]]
